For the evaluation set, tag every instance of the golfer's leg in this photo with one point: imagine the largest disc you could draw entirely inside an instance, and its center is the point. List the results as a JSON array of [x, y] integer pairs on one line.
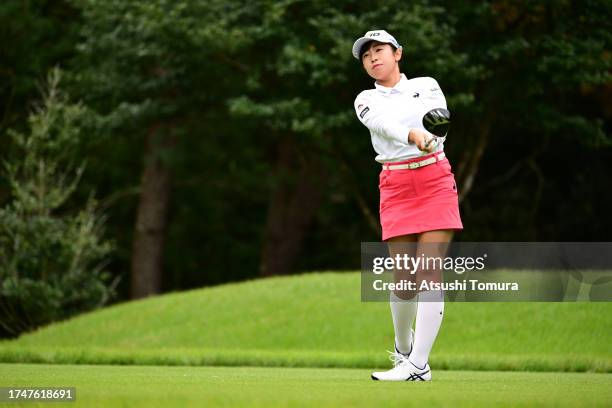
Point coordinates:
[[430, 303], [403, 303]]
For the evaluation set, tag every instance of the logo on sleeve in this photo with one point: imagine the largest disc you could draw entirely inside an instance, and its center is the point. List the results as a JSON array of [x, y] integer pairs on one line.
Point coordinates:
[[364, 112], [416, 95]]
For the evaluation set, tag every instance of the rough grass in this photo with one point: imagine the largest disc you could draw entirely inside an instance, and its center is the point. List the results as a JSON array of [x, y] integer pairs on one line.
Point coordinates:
[[318, 320]]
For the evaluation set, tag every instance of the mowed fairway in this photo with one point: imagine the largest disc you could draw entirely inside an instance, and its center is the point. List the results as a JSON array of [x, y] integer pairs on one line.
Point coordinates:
[[102, 386], [308, 340]]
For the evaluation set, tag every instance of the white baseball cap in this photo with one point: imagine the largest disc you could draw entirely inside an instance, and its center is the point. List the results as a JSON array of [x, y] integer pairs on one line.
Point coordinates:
[[376, 35]]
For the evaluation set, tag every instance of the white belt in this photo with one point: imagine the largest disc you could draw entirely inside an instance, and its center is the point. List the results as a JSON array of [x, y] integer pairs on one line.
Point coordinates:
[[415, 165]]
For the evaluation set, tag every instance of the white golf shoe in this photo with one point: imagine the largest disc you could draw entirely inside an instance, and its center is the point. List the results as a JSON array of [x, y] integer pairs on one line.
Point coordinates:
[[404, 371]]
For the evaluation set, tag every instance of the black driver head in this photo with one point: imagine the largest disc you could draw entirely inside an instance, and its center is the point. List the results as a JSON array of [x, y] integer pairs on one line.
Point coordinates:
[[437, 121]]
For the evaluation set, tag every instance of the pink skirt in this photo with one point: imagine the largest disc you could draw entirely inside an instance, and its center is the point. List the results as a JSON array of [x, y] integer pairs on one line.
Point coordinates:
[[418, 200]]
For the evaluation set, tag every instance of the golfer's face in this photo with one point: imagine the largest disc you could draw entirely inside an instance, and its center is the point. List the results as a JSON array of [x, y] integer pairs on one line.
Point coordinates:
[[379, 60]]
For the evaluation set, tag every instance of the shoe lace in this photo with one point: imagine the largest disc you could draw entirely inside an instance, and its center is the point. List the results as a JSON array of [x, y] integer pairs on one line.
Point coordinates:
[[396, 358]]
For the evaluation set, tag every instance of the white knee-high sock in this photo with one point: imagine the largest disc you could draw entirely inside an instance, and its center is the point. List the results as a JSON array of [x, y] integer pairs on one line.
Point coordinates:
[[403, 313], [428, 320]]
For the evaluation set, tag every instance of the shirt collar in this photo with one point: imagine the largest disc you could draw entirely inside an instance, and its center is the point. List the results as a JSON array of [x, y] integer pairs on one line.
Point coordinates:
[[398, 88]]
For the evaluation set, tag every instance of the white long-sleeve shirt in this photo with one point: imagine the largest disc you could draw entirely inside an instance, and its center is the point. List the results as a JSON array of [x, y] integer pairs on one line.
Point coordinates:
[[390, 113]]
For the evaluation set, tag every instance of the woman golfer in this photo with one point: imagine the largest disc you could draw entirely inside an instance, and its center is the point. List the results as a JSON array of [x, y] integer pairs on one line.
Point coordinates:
[[418, 195]]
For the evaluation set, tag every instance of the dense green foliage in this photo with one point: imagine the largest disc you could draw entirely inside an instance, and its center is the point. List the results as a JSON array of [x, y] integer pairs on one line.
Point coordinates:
[[51, 261], [259, 95]]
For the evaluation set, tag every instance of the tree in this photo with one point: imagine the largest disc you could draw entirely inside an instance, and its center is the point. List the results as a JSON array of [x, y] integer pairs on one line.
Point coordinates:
[[542, 68], [51, 259], [152, 69], [35, 36], [289, 171]]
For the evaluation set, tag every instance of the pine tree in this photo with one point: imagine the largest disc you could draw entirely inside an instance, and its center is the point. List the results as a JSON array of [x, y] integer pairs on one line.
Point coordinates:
[[52, 254]]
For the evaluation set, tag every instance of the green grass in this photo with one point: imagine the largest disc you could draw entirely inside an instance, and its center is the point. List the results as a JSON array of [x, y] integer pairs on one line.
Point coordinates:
[[318, 320], [157, 386]]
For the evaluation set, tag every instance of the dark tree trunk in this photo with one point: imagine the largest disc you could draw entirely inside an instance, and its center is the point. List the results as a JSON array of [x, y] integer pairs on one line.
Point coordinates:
[[352, 184], [293, 203], [151, 220], [470, 161]]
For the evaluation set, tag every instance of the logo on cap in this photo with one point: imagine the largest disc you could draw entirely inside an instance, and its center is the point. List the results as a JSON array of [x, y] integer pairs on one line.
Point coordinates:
[[381, 35]]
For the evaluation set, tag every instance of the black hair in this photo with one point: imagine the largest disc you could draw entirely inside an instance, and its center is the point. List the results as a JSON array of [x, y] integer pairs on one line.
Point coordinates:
[[367, 45]]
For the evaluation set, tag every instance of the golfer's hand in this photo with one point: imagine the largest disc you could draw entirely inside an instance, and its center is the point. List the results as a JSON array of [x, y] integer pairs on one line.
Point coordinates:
[[422, 140]]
